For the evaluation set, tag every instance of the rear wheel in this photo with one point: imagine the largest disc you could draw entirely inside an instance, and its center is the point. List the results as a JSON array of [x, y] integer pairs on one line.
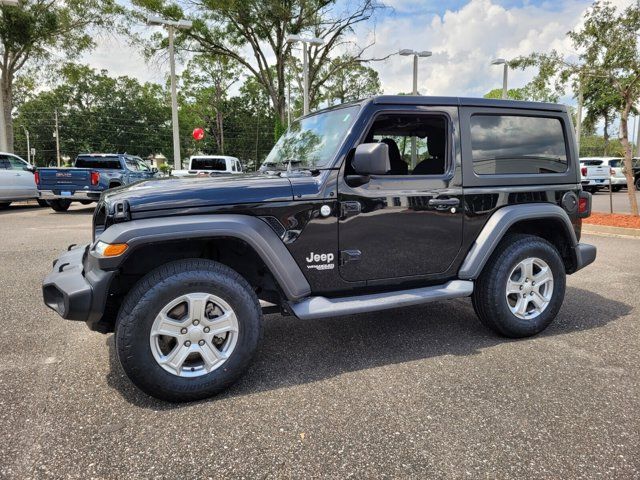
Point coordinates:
[[616, 188], [42, 203], [59, 205], [638, 184], [521, 289], [188, 330]]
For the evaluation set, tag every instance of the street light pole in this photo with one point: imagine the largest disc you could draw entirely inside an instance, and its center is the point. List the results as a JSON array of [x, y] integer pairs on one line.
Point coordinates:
[[26, 132], [505, 74], [172, 26], [579, 115], [425, 53], [306, 41]]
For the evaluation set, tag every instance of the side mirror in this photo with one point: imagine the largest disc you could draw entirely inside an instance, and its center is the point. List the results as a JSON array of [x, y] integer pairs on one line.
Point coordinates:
[[371, 159], [29, 168], [154, 170]]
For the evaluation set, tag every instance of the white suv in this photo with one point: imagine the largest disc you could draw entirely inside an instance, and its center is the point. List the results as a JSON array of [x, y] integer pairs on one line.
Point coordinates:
[[615, 164]]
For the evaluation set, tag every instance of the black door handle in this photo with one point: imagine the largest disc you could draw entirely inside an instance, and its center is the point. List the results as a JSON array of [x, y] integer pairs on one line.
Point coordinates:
[[444, 203]]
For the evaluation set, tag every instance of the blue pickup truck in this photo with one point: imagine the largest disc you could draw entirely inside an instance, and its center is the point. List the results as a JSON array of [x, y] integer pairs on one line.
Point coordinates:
[[88, 178]]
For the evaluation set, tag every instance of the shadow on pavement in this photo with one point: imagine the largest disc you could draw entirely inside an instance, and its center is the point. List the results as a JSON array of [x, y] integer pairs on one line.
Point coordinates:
[[297, 352]]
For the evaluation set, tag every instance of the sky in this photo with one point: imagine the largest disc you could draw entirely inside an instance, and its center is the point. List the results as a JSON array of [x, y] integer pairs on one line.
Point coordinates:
[[463, 35]]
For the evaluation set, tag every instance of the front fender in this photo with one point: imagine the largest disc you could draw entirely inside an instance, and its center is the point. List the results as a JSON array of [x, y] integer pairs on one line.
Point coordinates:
[[251, 230]]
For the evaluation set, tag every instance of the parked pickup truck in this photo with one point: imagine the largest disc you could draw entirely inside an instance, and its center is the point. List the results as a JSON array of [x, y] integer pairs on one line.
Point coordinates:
[[344, 221], [594, 175], [210, 165], [91, 175]]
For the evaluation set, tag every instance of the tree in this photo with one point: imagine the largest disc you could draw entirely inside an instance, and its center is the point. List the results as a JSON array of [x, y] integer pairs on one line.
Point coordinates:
[[351, 83], [608, 48], [30, 32], [532, 92], [229, 27], [602, 101], [206, 82], [97, 113]]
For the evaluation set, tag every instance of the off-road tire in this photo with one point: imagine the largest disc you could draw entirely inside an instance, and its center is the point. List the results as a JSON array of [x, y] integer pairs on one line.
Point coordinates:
[[59, 205], [148, 297], [489, 295]]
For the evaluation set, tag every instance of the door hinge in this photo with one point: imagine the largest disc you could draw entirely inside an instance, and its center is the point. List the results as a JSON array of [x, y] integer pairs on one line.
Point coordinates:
[[347, 256], [348, 209]]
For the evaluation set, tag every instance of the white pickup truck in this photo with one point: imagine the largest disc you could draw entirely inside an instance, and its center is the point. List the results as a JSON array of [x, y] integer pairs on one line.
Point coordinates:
[[593, 174], [210, 165]]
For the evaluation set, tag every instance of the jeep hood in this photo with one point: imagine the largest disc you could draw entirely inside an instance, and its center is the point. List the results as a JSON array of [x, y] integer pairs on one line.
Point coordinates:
[[193, 192]]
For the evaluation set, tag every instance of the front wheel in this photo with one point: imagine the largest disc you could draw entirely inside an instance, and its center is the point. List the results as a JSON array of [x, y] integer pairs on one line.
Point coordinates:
[[616, 188], [4, 205], [188, 330], [59, 205], [521, 288], [42, 203]]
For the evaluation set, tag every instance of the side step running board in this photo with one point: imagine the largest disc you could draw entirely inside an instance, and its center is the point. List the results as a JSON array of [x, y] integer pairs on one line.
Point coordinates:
[[321, 307]]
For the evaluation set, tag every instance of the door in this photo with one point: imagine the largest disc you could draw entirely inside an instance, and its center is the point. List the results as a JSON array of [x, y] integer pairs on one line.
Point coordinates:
[[16, 183], [408, 222]]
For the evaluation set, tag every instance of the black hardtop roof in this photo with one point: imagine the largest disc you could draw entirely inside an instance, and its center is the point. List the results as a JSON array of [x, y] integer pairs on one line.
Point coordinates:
[[464, 102]]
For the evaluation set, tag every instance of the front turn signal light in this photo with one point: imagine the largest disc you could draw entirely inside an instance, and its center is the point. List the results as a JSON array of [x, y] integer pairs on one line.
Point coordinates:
[[111, 249]]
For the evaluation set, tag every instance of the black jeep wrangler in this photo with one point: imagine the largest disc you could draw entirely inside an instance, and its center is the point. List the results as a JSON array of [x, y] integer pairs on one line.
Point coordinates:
[[383, 203]]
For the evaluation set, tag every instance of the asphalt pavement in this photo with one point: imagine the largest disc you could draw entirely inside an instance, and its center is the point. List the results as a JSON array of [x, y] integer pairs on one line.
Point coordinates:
[[424, 392], [619, 200]]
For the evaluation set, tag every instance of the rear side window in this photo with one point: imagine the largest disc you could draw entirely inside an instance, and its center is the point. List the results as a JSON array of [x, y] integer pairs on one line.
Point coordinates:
[[98, 163], [511, 144], [217, 164]]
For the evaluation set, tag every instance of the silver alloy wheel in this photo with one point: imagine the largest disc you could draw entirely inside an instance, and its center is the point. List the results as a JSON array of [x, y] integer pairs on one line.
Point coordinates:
[[194, 334], [529, 288]]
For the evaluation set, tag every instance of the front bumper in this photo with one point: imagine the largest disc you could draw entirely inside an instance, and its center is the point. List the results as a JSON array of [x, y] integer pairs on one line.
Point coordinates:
[[81, 195], [76, 288], [585, 255]]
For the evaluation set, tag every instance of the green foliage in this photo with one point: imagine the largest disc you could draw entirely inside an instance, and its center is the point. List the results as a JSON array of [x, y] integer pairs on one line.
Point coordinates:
[[97, 113], [349, 81], [231, 28], [532, 92], [31, 32]]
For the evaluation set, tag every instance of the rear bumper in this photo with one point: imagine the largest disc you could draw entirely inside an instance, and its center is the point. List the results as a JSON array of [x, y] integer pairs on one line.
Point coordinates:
[[618, 181], [601, 183], [76, 289], [81, 195], [585, 255]]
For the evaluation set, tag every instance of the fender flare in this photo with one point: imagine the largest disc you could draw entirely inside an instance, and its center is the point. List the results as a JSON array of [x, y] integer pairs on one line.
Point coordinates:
[[497, 226], [251, 230]]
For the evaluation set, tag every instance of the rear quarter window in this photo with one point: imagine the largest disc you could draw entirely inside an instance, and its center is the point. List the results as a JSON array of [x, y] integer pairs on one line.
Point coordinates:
[[517, 144]]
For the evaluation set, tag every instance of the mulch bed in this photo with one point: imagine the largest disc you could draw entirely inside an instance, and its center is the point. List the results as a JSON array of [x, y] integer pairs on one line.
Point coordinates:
[[613, 220]]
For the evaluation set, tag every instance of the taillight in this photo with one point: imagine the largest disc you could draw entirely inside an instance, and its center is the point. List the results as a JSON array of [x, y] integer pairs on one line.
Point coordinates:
[[95, 178], [583, 170], [37, 177], [583, 205]]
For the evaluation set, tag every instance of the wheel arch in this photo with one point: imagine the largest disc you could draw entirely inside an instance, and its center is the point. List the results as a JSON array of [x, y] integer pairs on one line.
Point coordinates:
[[213, 236], [545, 220]]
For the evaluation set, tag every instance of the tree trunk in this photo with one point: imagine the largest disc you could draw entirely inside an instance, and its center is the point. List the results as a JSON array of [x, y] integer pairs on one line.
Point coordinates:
[[628, 156], [6, 88]]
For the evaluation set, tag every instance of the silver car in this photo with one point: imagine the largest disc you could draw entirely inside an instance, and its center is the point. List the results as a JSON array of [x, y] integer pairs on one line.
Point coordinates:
[[17, 180]]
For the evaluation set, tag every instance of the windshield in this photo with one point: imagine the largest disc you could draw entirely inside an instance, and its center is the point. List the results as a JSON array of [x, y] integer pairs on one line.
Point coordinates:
[[311, 142]]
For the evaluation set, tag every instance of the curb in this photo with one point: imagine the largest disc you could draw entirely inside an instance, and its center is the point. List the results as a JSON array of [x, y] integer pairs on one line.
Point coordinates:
[[611, 231]]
